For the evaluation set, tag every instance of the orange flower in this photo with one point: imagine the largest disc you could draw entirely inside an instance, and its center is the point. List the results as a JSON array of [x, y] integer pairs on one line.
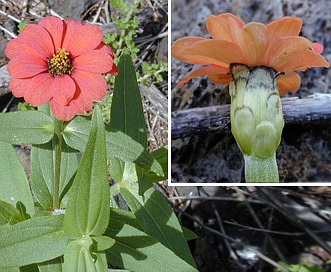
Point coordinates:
[[61, 62], [276, 45]]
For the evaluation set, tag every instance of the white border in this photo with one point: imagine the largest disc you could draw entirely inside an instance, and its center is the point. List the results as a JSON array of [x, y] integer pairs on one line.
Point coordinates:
[[327, 183]]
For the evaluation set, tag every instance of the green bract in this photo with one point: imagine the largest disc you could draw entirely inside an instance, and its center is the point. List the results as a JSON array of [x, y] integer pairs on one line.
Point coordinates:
[[256, 120]]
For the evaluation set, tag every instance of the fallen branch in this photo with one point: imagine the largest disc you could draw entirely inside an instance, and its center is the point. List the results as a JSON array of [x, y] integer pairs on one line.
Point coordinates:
[[217, 118]]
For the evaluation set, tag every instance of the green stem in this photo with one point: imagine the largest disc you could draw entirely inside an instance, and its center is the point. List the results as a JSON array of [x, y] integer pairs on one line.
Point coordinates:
[[260, 169], [57, 142]]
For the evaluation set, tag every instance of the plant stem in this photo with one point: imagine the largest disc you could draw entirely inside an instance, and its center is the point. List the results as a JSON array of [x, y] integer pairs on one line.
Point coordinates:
[[57, 142], [259, 169]]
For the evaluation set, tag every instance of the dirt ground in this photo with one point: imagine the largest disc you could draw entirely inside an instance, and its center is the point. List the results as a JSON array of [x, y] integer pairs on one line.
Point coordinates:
[[304, 154]]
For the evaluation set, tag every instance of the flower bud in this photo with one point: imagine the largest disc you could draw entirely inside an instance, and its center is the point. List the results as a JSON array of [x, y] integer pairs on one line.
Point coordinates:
[[256, 120]]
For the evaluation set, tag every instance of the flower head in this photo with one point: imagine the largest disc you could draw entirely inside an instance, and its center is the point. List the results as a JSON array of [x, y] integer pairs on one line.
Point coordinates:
[[61, 62], [276, 45]]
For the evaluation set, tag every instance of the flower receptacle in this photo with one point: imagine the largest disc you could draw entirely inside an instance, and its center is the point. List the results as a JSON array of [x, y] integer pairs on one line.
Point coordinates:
[[256, 119]]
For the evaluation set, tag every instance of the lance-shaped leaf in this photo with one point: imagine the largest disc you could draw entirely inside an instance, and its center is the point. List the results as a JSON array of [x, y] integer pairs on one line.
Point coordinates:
[[13, 181], [9, 214], [32, 241], [119, 144], [127, 113], [157, 219], [78, 256], [42, 171], [87, 210], [26, 127], [137, 251]]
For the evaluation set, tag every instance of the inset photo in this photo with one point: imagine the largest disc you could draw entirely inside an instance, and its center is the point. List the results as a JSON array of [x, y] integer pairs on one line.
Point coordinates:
[[251, 96]]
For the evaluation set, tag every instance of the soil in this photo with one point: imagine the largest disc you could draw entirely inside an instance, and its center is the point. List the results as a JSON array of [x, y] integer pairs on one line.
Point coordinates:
[[304, 152]]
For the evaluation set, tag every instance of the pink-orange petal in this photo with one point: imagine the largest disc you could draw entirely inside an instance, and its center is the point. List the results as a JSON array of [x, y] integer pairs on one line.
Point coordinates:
[[28, 67], [286, 49], [54, 26], [15, 48], [221, 53], [290, 82], [105, 48], [93, 86], [283, 27], [184, 43], [224, 79], [208, 70], [38, 38], [318, 48], [252, 39], [220, 27], [86, 38], [70, 28], [35, 90], [63, 89], [305, 60], [94, 61]]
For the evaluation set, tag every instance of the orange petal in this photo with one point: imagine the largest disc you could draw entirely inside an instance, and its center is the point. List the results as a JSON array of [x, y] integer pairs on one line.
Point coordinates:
[[63, 88], [94, 61], [184, 43], [305, 60], [92, 85], [35, 90], [252, 39], [220, 27], [27, 67], [86, 38], [54, 26], [290, 82], [221, 53], [283, 27], [286, 49], [208, 70], [220, 79]]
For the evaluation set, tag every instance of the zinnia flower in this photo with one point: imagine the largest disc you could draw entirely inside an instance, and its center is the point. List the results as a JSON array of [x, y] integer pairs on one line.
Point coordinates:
[[60, 61], [276, 45]]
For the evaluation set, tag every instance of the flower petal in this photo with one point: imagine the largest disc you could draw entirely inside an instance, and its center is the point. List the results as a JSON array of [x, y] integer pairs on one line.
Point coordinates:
[[38, 38], [93, 86], [221, 53], [286, 49], [77, 105], [290, 82], [283, 27], [220, 27], [70, 28], [15, 48], [54, 26], [63, 89], [305, 60], [27, 67], [184, 43], [35, 90], [208, 70], [84, 39], [94, 61], [252, 39]]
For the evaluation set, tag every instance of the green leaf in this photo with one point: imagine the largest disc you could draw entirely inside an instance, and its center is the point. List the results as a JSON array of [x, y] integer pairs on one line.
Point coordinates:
[[135, 250], [54, 265], [146, 178], [103, 242], [32, 241], [157, 219], [13, 181], [119, 145], [87, 211], [26, 127], [77, 256], [42, 171], [9, 213], [127, 113]]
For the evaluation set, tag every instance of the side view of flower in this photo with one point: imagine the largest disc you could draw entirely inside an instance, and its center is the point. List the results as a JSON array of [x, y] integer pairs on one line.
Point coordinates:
[[259, 62], [61, 62]]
